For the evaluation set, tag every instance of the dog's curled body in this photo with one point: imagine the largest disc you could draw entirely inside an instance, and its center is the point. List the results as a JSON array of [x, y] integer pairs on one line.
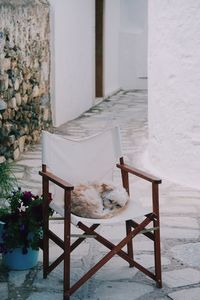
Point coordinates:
[[98, 200]]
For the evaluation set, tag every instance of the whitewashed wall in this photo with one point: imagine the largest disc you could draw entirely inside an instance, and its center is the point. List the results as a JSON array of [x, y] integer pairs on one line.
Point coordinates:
[[133, 44], [111, 46], [73, 57], [174, 93]]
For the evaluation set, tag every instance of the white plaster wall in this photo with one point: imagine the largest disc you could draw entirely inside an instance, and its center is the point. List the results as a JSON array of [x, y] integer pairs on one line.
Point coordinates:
[[133, 44], [111, 46], [73, 58], [174, 92]]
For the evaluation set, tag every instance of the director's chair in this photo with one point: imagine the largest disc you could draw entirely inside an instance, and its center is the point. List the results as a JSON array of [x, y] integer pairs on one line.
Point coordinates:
[[67, 163]]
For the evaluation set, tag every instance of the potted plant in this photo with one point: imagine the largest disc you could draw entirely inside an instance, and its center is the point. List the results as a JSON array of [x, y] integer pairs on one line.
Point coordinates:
[[22, 220]]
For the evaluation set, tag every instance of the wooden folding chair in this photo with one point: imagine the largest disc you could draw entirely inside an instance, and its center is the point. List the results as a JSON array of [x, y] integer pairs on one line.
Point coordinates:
[[67, 162]]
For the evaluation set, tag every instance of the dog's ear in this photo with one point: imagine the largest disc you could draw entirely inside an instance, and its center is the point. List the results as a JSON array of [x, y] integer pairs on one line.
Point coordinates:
[[106, 187]]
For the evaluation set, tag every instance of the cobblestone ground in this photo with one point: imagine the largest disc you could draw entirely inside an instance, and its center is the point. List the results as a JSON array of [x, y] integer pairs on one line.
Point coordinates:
[[179, 206]]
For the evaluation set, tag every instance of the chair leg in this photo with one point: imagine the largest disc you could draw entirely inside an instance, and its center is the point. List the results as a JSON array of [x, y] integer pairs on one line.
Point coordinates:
[[130, 243], [45, 255], [156, 223], [45, 247], [157, 254], [66, 275], [45, 209], [67, 250]]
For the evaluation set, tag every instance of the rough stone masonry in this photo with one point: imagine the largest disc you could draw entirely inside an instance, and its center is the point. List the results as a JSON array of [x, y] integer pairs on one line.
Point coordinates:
[[24, 74]]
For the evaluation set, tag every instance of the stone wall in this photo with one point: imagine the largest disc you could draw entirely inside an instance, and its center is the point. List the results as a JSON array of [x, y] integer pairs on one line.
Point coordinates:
[[24, 74]]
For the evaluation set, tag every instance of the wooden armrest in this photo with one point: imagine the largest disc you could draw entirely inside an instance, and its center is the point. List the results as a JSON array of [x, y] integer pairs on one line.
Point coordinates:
[[139, 173], [58, 181]]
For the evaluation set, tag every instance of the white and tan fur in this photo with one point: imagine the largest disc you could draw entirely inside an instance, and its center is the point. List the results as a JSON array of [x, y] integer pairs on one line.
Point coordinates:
[[98, 200]]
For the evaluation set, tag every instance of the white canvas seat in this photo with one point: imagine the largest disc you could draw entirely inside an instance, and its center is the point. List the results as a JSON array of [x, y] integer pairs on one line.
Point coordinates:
[[67, 163], [133, 211]]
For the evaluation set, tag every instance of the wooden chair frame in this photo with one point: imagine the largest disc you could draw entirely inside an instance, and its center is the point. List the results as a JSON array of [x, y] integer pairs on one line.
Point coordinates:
[[132, 229]]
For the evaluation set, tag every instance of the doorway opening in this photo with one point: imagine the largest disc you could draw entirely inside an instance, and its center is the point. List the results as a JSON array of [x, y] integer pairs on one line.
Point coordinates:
[[99, 12]]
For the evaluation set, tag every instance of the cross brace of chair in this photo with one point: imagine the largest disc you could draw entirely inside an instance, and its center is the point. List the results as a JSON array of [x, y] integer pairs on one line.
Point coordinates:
[[114, 249]]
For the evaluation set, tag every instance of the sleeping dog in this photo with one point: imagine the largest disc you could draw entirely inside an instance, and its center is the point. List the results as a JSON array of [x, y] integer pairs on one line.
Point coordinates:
[[98, 200]]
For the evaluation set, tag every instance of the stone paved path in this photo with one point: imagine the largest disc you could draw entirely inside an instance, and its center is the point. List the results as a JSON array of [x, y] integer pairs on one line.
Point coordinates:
[[179, 206]]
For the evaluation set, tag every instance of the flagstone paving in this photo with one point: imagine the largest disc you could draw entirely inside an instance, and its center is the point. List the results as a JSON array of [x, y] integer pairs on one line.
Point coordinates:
[[179, 206]]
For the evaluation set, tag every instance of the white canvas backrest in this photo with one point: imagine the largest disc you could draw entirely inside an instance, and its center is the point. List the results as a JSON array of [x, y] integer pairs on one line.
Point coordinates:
[[78, 161]]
